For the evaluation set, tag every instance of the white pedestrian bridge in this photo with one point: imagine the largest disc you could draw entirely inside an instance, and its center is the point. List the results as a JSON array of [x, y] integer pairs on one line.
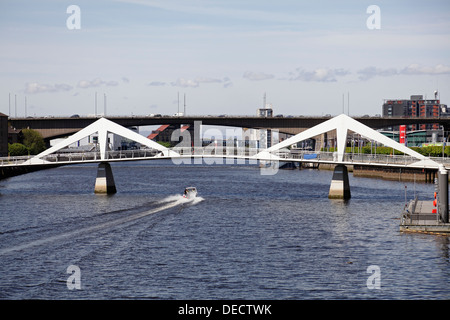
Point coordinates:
[[278, 153], [228, 155]]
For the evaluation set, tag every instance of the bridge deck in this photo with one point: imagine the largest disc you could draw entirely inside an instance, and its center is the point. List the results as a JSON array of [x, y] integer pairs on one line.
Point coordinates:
[[227, 153]]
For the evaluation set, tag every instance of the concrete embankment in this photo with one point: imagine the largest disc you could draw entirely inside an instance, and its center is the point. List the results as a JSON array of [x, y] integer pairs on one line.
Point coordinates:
[[12, 171], [388, 173], [395, 174]]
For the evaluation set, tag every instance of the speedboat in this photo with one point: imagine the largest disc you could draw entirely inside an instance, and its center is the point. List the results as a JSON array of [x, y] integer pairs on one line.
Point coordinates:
[[190, 193]]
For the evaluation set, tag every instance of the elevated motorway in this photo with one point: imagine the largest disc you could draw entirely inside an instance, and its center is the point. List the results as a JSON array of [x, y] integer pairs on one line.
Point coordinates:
[[57, 127]]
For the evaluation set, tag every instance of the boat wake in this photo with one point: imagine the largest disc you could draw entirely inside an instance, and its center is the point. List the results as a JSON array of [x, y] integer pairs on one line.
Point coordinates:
[[180, 200], [164, 204]]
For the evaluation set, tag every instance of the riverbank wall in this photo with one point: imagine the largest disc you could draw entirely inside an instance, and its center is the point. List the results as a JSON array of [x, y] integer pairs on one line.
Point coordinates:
[[388, 173]]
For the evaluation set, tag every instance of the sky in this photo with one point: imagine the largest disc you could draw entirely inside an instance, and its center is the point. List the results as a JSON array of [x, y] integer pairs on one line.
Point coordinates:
[[221, 56]]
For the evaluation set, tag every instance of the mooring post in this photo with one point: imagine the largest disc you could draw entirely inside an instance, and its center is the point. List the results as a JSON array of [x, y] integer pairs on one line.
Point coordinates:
[[340, 187], [443, 193], [104, 183]]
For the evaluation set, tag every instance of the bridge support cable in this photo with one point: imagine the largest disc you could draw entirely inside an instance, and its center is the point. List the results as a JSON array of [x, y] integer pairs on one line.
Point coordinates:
[[102, 127], [343, 124]]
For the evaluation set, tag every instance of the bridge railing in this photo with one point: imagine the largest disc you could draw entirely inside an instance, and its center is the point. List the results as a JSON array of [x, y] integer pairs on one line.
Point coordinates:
[[14, 160], [356, 158], [131, 154], [443, 160], [83, 156], [379, 158], [109, 155], [216, 151], [284, 154]]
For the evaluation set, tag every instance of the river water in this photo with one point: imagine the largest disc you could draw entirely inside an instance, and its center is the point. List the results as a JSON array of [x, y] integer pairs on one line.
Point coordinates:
[[248, 236]]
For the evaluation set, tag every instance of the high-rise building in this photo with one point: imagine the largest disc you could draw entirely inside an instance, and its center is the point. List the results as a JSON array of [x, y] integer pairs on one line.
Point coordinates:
[[3, 135], [415, 107]]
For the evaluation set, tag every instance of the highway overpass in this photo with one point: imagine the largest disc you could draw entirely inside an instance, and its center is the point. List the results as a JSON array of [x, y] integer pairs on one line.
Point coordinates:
[[56, 127]]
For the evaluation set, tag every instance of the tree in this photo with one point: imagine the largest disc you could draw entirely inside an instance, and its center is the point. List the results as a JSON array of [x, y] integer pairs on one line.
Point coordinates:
[[17, 149], [164, 144], [33, 140]]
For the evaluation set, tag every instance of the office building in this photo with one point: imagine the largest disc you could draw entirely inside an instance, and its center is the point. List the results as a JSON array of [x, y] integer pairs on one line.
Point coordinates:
[[3, 135], [415, 107]]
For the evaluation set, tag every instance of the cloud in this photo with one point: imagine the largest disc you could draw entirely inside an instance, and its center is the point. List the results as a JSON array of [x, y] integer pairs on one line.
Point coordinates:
[[195, 83], [257, 76], [227, 82], [320, 74], [97, 82], [370, 72], [157, 83], [185, 83], [89, 84], [125, 79], [208, 80], [413, 69], [35, 87], [418, 69]]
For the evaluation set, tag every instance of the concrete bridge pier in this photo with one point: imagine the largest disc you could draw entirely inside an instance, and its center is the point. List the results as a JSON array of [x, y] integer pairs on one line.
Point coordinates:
[[340, 187], [104, 184]]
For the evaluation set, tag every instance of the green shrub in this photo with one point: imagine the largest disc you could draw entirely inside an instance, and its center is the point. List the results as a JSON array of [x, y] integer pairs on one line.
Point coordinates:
[[33, 140], [17, 149]]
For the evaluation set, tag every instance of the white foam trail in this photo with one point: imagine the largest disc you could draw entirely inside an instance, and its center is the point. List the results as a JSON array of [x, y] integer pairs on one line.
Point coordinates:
[[176, 197], [197, 200], [172, 201], [179, 199]]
